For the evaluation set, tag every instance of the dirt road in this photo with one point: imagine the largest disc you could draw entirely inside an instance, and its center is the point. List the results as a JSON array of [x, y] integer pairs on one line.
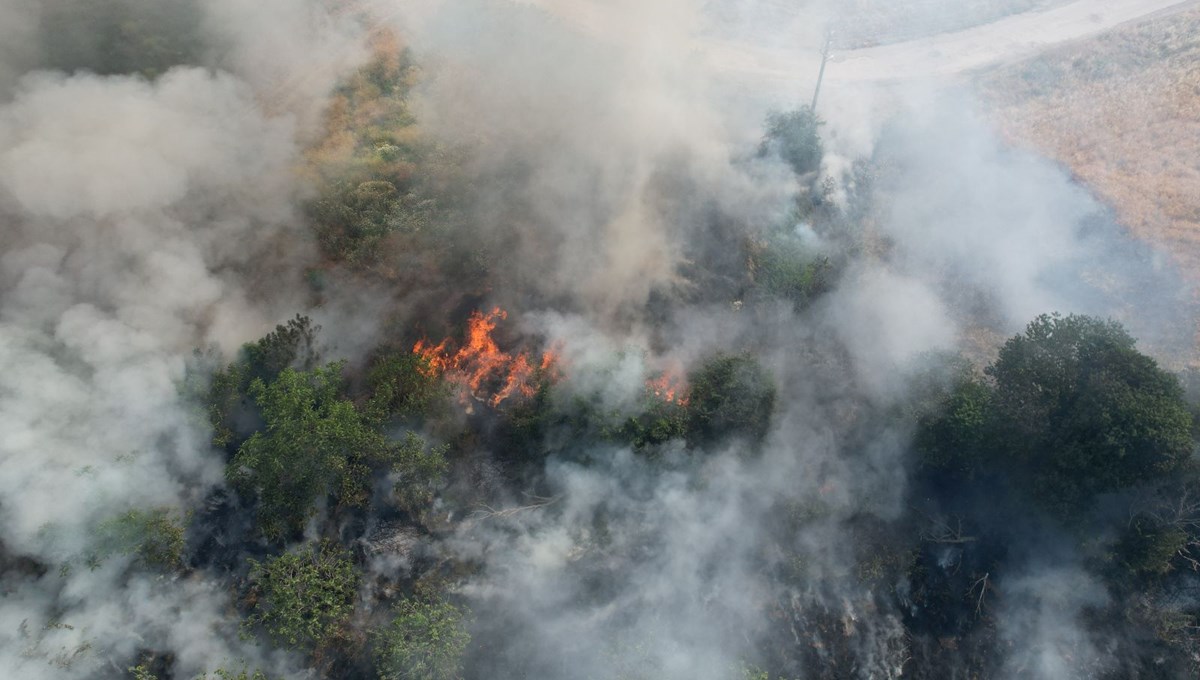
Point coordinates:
[[1008, 39]]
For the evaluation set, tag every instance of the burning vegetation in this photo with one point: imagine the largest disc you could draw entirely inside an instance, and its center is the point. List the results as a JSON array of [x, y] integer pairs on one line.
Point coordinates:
[[480, 369], [670, 387], [651, 486]]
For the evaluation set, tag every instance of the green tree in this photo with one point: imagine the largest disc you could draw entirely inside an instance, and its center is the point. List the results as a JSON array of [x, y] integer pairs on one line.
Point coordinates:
[[1148, 545], [403, 386], [658, 423], [121, 36], [156, 537], [425, 641], [291, 345], [952, 438], [244, 674], [1084, 412], [143, 671], [729, 395], [783, 268], [793, 137], [302, 598], [316, 444], [419, 469], [352, 219]]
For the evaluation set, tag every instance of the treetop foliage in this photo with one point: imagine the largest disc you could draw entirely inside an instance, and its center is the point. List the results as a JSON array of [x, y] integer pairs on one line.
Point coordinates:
[[1085, 410], [316, 444], [301, 598], [289, 345], [1071, 409], [730, 394], [121, 36], [425, 640], [403, 387], [793, 136], [156, 537]]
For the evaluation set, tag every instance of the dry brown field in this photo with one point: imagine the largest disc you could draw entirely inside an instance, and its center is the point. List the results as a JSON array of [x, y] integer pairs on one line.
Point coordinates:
[[1122, 112]]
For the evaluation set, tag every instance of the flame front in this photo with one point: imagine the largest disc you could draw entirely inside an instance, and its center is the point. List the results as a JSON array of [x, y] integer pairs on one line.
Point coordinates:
[[670, 388], [480, 365]]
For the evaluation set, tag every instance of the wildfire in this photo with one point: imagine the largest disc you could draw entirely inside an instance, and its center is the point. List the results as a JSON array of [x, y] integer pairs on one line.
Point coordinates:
[[479, 365], [669, 387]]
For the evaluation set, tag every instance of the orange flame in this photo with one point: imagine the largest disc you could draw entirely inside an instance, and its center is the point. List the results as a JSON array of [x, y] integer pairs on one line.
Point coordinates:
[[669, 387], [480, 364]]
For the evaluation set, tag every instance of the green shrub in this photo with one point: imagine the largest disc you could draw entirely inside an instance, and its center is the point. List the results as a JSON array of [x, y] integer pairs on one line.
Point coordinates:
[[316, 444], [155, 536], [784, 269], [793, 136], [425, 641], [729, 395], [1085, 412], [1148, 546], [659, 423], [403, 386], [303, 598], [289, 346]]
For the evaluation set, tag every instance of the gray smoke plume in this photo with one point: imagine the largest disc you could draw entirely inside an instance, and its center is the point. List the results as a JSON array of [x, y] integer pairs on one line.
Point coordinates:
[[580, 126], [138, 218], [149, 214]]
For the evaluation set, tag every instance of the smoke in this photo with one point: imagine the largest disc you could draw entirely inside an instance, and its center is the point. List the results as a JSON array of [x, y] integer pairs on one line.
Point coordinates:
[[139, 218], [967, 213], [639, 569], [579, 156], [1043, 623], [612, 177], [17, 40]]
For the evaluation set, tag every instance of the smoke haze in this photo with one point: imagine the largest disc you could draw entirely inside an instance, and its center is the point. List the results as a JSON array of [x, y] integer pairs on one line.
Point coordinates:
[[149, 214]]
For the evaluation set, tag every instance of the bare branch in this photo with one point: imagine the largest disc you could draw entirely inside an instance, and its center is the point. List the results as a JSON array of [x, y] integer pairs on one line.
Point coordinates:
[[983, 584]]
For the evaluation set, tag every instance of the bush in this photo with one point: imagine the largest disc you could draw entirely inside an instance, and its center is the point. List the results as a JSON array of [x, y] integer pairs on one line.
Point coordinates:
[[121, 36], [155, 536], [793, 137], [1148, 546], [952, 438], [289, 346], [1073, 410], [425, 641], [1085, 412], [316, 444], [785, 270], [729, 395], [303, 598], [659, 423], [403, 386]]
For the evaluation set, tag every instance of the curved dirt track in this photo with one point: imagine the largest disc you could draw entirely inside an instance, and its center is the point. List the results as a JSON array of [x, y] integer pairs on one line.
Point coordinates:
[[1007, 39]]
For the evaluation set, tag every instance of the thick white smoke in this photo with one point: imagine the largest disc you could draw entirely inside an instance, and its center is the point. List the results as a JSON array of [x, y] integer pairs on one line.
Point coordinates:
[[135, 215], [139, 218]]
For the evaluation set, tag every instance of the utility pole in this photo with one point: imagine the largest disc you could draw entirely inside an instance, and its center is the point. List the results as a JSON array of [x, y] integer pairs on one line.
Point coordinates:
[[821, 75]]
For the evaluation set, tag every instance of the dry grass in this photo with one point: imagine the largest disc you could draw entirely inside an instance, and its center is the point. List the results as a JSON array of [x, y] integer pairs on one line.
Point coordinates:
[[1122, 112]]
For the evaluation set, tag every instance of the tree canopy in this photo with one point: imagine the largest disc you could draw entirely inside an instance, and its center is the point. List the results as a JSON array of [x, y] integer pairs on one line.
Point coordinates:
[[1085, 411], [315, 444], [730, 394], [793, 136], [302, 597], [425, 641], [1071, 409]]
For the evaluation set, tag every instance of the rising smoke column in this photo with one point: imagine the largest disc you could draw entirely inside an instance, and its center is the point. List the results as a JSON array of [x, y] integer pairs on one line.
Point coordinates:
[[135, 212]]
